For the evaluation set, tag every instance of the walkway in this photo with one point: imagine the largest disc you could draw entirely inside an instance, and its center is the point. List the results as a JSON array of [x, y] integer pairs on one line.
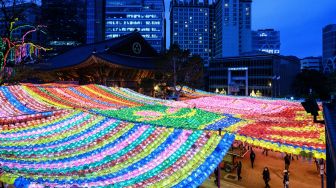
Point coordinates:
[[303, 173]]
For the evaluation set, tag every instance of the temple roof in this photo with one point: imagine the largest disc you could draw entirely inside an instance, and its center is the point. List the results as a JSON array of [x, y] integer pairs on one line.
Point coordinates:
[[129, 51]]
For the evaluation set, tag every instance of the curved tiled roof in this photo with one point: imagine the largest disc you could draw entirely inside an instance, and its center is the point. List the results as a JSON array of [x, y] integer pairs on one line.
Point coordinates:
[[105, 51]]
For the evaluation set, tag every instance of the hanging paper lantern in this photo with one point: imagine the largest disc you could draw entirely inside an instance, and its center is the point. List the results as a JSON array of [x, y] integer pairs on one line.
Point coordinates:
[[53, 135]]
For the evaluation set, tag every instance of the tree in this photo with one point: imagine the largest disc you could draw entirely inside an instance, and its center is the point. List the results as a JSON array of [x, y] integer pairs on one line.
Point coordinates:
[[11, 13], [19, 49], [311, 80], [183, 69], [147, 84], [8, 45]]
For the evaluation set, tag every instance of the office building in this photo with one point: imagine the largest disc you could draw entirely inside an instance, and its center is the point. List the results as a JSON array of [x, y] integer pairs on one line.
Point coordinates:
[[190, 26], [311, 63], [114, 18], [329, 48], [66, 23], [212, 30], [268, 74], [95, 21], [233, 27], [266, 40]]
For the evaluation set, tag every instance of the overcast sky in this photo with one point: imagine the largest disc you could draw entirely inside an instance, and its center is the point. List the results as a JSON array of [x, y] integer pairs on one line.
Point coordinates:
[[300, 22]]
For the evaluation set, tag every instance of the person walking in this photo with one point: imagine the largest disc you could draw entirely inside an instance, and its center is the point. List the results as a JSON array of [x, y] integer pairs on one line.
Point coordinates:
[[252, 157], [322, 172], [266, 177], [239, 168], [265, 151], [317, 165], [216, 176], [286, 179], [287, 161]]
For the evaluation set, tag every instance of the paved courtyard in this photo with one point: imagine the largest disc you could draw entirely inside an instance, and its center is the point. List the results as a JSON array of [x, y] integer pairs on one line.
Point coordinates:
[[303, 173]]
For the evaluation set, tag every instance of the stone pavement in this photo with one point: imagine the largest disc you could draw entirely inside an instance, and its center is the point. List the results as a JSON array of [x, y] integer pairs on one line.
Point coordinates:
[[303, 173], [209, 183]]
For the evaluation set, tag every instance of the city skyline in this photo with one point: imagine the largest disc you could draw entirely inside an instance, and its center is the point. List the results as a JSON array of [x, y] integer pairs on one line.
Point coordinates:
[[301, 32], [300, 24]]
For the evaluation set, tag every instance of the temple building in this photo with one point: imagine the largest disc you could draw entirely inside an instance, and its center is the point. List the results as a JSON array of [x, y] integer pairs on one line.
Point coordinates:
[[122, 62]]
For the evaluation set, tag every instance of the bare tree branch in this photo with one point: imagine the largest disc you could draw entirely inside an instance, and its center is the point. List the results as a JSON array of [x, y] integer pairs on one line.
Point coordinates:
[[11, 11]]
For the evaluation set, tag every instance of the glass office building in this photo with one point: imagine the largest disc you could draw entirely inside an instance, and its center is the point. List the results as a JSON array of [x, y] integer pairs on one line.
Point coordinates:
[[65, 23], [233, 27], [95, 21], [266, 40], [145, 16], [311, 63], [190, 27]]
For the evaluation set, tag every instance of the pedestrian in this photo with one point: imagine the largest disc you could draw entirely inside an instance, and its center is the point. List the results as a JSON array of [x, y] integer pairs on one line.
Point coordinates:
[[265, 151], [321, 166], [239, 168], [216, 176], [252, 157], [287, 161], [266, 177], [286, 179], [291, 157], [317, 165]]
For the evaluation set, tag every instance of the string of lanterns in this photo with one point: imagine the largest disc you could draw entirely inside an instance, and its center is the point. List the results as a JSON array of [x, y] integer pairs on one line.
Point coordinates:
[[66, 135], [84, 150]]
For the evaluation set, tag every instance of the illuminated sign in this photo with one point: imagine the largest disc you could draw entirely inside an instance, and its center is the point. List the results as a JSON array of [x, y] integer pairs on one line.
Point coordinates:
[[238, 68]]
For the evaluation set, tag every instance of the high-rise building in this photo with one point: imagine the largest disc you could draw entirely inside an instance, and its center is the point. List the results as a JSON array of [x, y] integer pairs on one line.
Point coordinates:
[[190, 26], [113, 18], [245, 37], [233, 27], [311, 63], [266, 40], [329, 48], [66, 23], [95, 21], [212, 30]]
